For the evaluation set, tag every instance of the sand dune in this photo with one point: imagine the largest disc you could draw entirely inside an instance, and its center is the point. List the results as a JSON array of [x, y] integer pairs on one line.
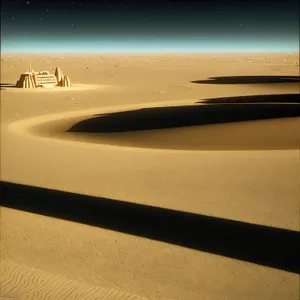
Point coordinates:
[[176, 127], [139, 131], [202, 127], [249, 136], [236, 123]]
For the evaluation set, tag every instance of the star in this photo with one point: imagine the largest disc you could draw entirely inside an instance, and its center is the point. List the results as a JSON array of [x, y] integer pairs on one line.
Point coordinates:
[[12, 18], [28, 2], [41, 19]]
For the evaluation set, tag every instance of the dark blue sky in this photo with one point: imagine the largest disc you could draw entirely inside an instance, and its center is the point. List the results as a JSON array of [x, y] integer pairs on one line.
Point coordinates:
[[142, 26]]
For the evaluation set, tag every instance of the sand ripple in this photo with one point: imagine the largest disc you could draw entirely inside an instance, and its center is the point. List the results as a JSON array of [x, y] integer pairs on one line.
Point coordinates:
[[19, 281]]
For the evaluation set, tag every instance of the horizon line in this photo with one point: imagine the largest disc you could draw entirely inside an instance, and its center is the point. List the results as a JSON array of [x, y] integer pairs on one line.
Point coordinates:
[[142, 52]]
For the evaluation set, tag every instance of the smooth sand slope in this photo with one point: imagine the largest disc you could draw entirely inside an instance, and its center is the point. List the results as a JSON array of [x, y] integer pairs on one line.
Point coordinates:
[[190, 135], [241, 125]]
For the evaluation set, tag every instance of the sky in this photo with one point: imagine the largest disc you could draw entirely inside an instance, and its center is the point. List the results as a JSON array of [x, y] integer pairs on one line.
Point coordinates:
[[150, 26]]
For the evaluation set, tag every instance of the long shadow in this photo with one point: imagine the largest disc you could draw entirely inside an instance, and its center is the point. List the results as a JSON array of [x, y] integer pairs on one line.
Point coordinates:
[[263, 245], [7, 85], [283, 98], [249, 80], [182, 116]]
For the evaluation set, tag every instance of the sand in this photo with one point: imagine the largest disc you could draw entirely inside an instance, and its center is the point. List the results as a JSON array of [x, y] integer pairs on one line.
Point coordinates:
[[153, 131]]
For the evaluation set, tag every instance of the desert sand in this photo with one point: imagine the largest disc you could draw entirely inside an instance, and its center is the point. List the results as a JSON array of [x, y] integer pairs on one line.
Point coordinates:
[[188, 167]]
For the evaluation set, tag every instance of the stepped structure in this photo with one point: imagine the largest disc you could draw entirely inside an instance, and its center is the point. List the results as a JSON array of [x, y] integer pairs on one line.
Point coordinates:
[[32, 79]]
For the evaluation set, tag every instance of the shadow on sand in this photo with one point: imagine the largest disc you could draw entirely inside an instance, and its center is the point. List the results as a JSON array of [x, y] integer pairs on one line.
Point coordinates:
[[283, 98], [242, 109], [4, 86], [250, 80], [263, 245]]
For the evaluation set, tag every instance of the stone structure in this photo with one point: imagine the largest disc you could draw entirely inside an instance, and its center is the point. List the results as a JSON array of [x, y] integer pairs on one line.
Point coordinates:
[[28, 83], [59, 76], [66, 82], [34, 79]]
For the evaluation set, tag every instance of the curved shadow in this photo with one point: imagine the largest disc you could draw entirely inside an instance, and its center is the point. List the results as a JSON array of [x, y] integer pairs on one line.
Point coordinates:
[[263, 245], [183, 116], [250, 80]]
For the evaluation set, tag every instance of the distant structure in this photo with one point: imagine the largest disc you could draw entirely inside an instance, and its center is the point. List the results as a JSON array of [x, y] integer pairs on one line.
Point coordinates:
[[59, 76], [32, 79]]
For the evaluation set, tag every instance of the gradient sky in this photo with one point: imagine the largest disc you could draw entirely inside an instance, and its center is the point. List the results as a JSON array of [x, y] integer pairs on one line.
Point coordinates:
[[154, 26]]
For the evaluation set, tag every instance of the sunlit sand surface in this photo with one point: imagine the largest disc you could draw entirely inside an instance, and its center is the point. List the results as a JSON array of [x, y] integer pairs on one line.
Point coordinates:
[[209, 135]]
